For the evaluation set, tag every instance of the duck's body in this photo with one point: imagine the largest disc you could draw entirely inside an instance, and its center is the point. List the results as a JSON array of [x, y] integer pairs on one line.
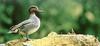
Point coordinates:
[[28, 26]]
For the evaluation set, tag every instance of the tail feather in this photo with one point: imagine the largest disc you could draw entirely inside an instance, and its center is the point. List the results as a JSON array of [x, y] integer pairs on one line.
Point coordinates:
[[13, 29]]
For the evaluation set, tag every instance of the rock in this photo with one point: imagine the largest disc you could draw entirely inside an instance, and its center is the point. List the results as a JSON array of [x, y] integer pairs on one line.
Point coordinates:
[[54, 39]]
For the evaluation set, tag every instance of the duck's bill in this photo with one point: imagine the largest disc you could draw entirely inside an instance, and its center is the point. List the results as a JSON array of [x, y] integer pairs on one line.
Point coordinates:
[[40, 11]]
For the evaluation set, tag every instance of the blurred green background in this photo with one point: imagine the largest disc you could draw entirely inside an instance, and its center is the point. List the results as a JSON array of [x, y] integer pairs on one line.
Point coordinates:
[[59, 16]]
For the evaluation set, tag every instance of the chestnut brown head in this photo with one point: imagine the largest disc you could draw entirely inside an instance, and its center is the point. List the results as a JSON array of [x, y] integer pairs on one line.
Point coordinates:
[[33, 9]]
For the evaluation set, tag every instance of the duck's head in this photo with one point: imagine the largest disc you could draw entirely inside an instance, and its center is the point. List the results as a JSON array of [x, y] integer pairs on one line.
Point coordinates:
[[34, 9]]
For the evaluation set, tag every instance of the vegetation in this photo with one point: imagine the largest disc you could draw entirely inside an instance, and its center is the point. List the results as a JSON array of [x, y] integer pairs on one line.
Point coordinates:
[[59, 16]]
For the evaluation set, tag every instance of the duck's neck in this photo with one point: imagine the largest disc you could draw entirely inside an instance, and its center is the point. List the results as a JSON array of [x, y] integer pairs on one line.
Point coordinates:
[[32, 14]]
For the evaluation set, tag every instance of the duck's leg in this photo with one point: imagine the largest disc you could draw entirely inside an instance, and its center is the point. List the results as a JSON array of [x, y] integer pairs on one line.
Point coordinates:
[[27, 37]]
